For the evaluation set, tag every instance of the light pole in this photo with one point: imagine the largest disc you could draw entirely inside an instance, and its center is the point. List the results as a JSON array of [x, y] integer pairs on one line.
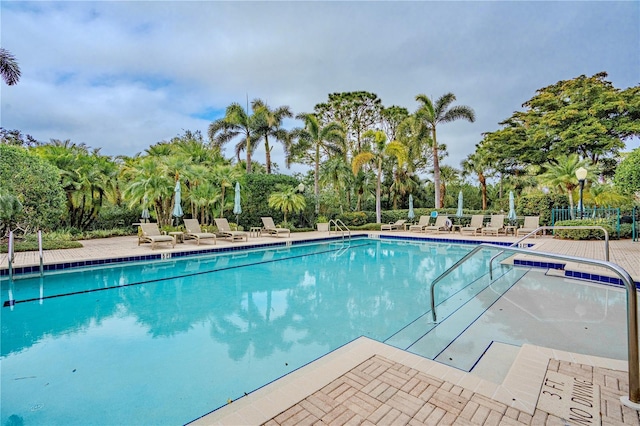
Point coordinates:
[[581, 174]]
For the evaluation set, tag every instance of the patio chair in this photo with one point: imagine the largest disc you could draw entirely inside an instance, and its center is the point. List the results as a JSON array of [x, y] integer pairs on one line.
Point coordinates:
[[531, 223], [151, 234], [391, 226], [225, 231], [268, 227], [475, 226], [424, 221], [495, 226], [442, 224], [195, 232]]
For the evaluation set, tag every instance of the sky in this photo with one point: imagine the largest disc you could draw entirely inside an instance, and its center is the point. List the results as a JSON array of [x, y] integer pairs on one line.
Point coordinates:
[[122, 76]]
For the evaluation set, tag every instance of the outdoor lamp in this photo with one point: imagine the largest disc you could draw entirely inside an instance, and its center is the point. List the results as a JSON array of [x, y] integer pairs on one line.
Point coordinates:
[[301, 187], [581, 174]]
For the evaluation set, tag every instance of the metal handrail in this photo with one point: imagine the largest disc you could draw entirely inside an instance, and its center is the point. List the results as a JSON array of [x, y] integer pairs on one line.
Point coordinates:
[[540, 228], [338, 226], [632, 303], [11, 254]]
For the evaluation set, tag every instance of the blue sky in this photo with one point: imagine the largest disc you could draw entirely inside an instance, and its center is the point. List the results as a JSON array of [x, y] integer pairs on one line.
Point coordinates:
[[121, 76]]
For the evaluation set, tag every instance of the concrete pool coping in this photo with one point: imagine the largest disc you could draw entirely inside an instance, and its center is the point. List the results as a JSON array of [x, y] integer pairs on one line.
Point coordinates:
[[516, 398]]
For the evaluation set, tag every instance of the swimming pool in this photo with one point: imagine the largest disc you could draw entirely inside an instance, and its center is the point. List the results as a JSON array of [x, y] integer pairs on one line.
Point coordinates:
[[165, 342]]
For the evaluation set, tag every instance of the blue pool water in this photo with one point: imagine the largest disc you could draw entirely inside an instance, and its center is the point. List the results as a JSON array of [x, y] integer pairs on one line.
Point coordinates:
[[165, 342]]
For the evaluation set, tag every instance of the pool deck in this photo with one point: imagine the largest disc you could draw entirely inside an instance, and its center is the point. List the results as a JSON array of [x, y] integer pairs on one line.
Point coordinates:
[[368, 382]]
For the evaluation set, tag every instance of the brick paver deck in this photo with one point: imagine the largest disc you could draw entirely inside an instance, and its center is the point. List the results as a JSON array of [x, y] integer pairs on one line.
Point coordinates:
[[383, 392]]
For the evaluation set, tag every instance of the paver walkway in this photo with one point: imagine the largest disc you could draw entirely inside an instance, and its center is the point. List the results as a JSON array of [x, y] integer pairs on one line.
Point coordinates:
[[383, 392]]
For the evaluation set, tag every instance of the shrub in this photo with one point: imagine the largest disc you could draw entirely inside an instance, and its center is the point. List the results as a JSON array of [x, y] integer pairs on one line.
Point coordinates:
[[586, 234], [353, 218]]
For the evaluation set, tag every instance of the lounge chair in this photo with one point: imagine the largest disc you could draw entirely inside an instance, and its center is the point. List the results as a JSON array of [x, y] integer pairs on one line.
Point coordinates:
[[442, 224], [151, 234], [225, 231], [531, 223], [475, 226], [495, 226], [194, 232], [268, 227], [419, 227], [398, 225]]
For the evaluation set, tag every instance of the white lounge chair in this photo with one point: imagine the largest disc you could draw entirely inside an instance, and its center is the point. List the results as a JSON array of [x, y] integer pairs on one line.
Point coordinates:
[[268, 227], [531, 223], [419, 227], [225, 231], [151, 234], [195, 232], [475, 226], [442, 224], [391, 226], [496, 226]]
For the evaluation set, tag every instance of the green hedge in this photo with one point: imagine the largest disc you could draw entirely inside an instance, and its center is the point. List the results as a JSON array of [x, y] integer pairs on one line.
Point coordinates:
[[586, 234]]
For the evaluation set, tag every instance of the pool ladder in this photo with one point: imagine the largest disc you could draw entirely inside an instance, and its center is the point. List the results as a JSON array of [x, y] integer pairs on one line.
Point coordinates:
[[11, 253], [339, 226], [633, 400]]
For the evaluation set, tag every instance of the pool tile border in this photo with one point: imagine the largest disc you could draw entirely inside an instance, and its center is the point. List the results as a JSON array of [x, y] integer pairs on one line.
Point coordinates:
[[24, 270]]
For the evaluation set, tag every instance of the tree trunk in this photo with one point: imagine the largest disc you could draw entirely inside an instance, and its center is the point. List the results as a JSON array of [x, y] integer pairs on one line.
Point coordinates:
[[316, 186], [267, 154], [248, 154], [436, 170]]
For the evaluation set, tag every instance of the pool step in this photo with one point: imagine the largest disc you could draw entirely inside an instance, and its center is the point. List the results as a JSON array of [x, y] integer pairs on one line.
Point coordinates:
[[496, 362], [430, 340]]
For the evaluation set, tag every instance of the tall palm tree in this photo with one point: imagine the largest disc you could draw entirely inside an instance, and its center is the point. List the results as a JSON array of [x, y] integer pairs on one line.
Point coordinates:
[[9, 67], [478, 163], [236, 121], [315, 141], [380, 151], [268, 122], [433, 114]]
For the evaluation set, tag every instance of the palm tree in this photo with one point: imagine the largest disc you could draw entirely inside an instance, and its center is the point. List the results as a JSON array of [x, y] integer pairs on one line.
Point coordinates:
[[381, 150], [9, 67], [268, 122], [316, 141], [478, 163], [287, 199], [562, 175], [433, 114], [236, 122]]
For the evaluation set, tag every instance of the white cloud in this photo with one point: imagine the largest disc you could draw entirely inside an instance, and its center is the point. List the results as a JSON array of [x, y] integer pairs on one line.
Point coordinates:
[[124, 75]]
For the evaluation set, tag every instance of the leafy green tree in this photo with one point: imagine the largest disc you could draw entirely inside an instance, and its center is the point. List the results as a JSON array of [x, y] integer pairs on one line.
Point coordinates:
[[268, 122], [35, 184], [584, 115], [627, 177], [357, 112], [433, 114], [287, 199], [315, 142], [236, 122], [379, 150], [9, 68]]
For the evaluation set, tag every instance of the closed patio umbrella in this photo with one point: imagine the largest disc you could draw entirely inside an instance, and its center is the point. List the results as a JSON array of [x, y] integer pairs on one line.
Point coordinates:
[[411, 214], [459, 211], [237, 209], [512, 208], [177, 208], [145, 211]]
